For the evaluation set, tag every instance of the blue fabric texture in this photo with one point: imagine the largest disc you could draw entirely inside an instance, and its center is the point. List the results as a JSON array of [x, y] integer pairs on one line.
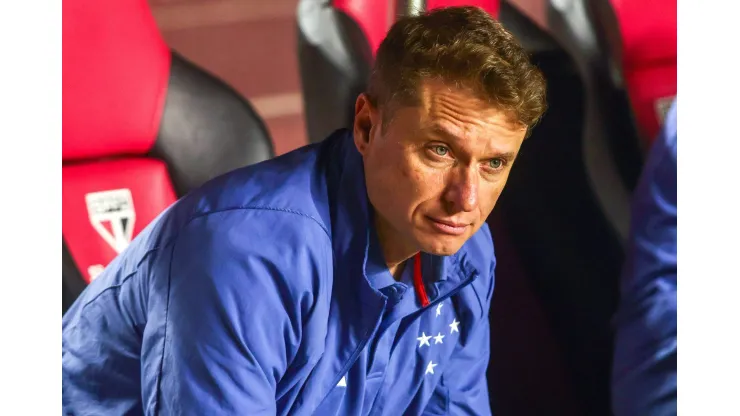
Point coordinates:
[[644, 374], [264, 293]]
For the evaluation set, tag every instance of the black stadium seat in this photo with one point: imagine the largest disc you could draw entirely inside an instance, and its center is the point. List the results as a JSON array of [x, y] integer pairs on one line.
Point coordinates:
[[567, 201], [337, 41]]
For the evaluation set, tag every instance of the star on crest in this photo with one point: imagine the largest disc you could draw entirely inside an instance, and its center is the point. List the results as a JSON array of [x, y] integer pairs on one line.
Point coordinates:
[[430, 368], [424, 340], [453, 326]]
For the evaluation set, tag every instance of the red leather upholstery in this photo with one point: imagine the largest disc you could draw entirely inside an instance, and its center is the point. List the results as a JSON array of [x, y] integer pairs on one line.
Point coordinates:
[[373, 17], [107, 203], [115, 72], [491, 6], [114, 78], [649, 53]]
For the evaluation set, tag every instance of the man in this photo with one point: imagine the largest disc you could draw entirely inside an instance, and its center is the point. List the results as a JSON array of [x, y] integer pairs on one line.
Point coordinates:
[[351, 277], [644, 375]]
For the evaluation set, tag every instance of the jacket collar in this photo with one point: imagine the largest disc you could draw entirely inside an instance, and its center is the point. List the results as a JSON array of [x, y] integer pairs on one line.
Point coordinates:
[[351, 215]]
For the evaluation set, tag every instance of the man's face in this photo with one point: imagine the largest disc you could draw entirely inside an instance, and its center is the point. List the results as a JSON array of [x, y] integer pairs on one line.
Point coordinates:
[[436, 172]]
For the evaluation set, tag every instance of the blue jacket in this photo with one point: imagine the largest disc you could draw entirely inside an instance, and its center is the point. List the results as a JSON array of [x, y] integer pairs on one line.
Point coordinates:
[[265, 293], [644, 374]]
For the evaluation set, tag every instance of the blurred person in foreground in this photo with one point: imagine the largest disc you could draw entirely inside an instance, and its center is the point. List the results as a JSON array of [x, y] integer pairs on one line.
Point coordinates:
[[644, 374], [352, 276]]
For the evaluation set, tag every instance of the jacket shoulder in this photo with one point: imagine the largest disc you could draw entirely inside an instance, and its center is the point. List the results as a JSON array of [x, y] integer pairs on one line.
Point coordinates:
[[294, 182], [289, 246]]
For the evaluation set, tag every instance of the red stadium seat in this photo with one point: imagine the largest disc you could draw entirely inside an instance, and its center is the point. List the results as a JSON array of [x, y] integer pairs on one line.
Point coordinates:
[[641, 39], [491, 6], [141, 127]]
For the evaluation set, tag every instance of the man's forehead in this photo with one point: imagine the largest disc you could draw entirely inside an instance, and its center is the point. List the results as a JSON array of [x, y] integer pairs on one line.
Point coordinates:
[[434, 93], [454, 110], [458, 124]]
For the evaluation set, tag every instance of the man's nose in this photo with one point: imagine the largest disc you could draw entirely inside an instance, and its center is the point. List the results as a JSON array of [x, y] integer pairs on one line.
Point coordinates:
[[462, 190]]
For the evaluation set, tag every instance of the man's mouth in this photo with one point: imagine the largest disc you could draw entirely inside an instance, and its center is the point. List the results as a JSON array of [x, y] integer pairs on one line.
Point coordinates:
[[448, 227]]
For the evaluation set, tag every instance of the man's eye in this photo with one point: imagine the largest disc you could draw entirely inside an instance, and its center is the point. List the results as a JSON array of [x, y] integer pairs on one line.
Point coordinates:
[[440, 150], [496, 163]]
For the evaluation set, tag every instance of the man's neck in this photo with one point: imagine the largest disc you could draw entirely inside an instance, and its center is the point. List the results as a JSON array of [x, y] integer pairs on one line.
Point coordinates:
[[395, 250], [397, 269]]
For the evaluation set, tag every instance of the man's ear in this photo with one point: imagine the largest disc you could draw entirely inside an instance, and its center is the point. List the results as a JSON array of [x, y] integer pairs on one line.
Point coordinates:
[[365, 117]]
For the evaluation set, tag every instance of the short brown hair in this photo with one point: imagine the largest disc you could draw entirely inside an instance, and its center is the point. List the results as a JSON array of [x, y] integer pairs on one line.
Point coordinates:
[[460, 45]]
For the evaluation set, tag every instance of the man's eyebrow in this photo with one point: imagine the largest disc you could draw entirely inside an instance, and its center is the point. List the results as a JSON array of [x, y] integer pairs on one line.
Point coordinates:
[[440, 131], [509, 156]]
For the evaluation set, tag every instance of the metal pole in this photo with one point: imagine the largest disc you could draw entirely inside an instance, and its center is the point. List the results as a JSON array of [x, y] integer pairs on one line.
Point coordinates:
[[410, 7]]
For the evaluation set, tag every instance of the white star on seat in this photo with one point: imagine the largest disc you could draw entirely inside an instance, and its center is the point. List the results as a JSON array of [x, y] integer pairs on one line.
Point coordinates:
[[438, 338], [453, 326], [439, 309], [424, 340], [430, 368]]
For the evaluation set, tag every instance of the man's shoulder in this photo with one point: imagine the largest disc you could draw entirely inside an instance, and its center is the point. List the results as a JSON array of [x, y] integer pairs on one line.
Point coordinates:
[[293, 184], [281, 202], [285, 190], [240, 248]]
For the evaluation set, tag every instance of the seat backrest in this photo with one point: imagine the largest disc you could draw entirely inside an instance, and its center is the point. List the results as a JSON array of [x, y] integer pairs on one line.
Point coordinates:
[[337, 41], [625, 53], [141, 127], [571, 229], [641, 39], [373, 18], [115, 75]]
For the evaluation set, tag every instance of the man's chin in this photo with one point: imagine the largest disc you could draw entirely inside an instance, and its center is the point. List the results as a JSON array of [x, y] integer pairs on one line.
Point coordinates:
[[440, 247]]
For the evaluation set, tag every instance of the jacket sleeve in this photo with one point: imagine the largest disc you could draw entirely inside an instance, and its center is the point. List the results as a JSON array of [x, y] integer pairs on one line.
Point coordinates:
[[464, 381], [644, 369], [240, 288]]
